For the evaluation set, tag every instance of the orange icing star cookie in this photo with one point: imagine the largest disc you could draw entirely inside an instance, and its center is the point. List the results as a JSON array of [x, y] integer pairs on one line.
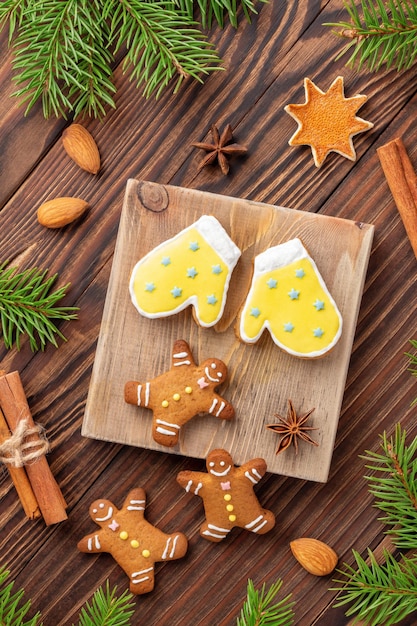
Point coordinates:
[[290, 299], [327, 121], [193, 268]]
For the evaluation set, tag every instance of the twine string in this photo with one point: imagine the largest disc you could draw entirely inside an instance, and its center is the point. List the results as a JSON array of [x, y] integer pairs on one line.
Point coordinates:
[[17, 451]]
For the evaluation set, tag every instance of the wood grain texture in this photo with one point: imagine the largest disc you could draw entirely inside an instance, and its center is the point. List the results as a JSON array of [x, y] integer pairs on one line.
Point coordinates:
[[261, 377], [265, 64]]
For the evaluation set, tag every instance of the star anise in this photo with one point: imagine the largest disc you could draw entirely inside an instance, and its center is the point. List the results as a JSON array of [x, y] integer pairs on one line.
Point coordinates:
[[292, 427], [221, 149]]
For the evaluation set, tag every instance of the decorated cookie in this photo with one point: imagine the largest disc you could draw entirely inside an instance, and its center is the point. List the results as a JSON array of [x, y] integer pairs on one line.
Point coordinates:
[[228, 496], [133, 542], [327, 121], [288, 296], [192, 268], [181, 393]]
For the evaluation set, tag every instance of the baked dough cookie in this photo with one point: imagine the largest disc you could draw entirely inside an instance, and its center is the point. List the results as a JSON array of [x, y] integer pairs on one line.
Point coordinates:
[[228, 496], [182, 392], [289, 297], [132, 541], [327, 121], [193, 268]]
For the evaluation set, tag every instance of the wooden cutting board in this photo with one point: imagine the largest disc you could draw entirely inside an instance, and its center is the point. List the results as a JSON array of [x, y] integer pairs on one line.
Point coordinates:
[[261, 377]]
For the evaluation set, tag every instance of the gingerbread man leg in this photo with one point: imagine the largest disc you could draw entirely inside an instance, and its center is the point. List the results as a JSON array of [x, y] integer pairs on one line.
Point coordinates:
[[262, 523], [214, 532], [142, 580]]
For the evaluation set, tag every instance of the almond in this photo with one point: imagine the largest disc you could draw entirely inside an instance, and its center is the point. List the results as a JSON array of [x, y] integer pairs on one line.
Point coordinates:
[[314, 555], [59, 212], [81, 148]]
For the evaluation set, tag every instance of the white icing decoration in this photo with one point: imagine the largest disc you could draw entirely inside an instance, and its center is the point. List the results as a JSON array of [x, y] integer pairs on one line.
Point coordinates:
[[224, 473], [108, 515], [251, 478]]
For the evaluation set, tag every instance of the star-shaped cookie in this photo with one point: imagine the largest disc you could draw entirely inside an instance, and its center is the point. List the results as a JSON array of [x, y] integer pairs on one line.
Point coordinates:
[[327, 121]]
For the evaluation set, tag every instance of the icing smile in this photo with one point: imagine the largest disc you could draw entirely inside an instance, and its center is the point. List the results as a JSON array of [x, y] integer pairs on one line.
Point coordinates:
[[223, 473], [214, 380], [106, 517]]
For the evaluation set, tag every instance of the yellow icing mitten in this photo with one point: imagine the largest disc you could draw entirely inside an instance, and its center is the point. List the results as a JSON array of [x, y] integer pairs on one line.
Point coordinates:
[[192, 268], [288, 296]]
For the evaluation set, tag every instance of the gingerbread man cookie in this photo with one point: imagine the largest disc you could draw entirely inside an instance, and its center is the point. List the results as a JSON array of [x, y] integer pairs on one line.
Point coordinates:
[[228, 496], [181, 393], [132, 541]]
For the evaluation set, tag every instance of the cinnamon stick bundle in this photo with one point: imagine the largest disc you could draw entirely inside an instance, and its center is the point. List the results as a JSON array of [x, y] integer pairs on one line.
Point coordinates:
[[402, 181], [20, 478], [15, 408]]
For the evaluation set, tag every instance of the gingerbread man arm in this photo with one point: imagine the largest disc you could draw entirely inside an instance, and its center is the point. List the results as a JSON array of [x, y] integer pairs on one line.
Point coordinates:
[[181, 355], [135, 503], [95, 542], [219, 407], [252, 470], [193, 482]]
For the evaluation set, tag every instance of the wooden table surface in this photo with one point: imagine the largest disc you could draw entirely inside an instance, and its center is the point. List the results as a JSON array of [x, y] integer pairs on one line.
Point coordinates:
[[266, 62]]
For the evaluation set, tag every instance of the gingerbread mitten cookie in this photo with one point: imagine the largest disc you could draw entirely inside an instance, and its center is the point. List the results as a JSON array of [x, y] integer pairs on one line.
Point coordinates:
[[192, 268], [133, 542], [289, 297], [181, 393], [228, 496]]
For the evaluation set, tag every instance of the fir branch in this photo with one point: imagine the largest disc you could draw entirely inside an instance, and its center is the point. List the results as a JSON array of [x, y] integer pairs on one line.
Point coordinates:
[[381, 33], [64, 51], [394, 487], [62, 58], [106, 609], [161, 44], [379, 594], [12, 609], [387, 593], [28, 305], [258, 611]]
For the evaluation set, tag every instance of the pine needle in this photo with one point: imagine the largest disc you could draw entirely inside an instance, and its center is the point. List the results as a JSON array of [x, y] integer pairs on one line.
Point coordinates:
[[379, 594], [258, 609], [28, 305], [394, 487], [13, 610], [106, 609], [413, 363], [381, 33], [215, 10], [384, 594]]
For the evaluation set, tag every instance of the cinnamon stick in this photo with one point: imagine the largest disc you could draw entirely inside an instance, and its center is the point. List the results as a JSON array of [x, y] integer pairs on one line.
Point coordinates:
[[20, 478], [402, 181], [15, 408]]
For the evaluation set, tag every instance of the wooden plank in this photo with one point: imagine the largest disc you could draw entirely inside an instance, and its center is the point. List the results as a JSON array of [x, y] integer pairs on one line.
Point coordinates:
[[132, 347]]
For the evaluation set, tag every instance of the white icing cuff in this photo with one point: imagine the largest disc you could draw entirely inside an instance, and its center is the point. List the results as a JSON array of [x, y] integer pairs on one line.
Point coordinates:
[[279, 256], [217, 237]]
